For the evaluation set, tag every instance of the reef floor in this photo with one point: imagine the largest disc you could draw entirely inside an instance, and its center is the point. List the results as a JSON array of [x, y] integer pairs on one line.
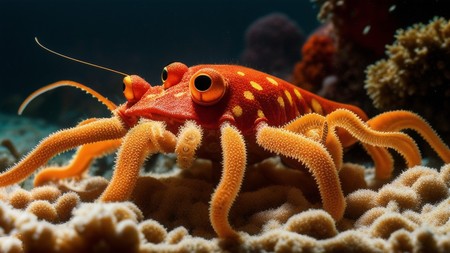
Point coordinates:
[[168, 211]]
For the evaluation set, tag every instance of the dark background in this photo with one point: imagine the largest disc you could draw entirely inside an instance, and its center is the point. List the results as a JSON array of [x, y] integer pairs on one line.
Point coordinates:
[[135, 37]]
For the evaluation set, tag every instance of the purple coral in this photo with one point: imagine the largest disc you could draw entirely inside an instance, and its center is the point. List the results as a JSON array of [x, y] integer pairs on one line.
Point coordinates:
[[272, 45]]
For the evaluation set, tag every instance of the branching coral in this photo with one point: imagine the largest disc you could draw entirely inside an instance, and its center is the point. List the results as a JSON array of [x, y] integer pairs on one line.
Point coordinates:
[[317, 62], [416, 76]]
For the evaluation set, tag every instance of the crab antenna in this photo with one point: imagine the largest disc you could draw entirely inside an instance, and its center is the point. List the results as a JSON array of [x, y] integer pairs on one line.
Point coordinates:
[[80, 61]]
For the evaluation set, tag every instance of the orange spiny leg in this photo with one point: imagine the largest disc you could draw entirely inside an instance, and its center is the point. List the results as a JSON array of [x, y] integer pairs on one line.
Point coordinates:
[[316, 158], [188, 140], [99, 130], [400, 120], [80, 162], [315, 127], [382, 160], [398, 141], [234, 162], [146, 138]]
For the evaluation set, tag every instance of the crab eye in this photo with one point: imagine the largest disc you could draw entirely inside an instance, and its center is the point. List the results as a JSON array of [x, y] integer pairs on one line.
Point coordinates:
[[202, 82], [134, 87], [128, 88], [207, 87], [164, 75], [172, 74]]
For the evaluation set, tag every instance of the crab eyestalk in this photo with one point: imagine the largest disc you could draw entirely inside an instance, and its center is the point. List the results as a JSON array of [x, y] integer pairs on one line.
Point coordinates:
[[134, 87]]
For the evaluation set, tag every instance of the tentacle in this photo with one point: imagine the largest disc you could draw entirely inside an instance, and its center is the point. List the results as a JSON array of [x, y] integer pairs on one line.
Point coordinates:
[[99, 130], [400, 120], [382, 159], [147, 137], [316, 158], [234, 162], [80, 162], [110, 105], [334, 147], [188, 140], [315, 127], [400, 142], [309, 125]]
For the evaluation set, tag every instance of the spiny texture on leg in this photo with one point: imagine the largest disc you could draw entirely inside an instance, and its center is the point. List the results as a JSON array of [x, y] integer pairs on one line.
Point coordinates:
[[99, 130], [80, 162], [145, 138], [400, 120], [398, 141], [315, 127], [316, 158], [234, 162], [188, 140]]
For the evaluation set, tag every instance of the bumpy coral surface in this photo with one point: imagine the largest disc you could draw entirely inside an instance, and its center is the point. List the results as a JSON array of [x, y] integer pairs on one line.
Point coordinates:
[[169, 212], [317, 60], [416, 75], [361, 30]]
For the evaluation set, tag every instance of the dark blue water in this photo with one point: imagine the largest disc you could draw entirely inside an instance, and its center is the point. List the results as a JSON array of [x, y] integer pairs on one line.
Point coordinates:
[[135, 37]]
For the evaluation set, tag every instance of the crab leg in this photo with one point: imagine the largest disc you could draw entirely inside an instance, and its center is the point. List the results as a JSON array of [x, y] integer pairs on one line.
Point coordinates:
[[312, 122], [400, 120], [400, 142], [316, 158], [146, 138], [80, 162], [188, 140], [234, 162], [382, 160], [309, 124], [99, 130]]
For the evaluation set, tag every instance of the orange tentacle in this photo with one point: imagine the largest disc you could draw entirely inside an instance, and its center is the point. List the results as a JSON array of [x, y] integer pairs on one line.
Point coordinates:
[[382, 159], [142, 140], [315, 127], [80, 162], [234, 163], [189, 140], [400, 120], [316, 158], [99, 130], [110, 105], [400, 142]]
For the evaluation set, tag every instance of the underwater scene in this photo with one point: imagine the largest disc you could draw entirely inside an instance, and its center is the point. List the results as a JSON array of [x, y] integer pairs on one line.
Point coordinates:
[[225, 126]]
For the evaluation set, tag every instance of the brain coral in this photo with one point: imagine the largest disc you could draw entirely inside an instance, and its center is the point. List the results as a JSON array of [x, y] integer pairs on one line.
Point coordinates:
[[410, 214], [416, 75]]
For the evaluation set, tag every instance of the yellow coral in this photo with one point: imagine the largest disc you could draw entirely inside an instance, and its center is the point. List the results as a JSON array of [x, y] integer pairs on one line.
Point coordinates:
[[20, 198], [43, 210], [416, 72]]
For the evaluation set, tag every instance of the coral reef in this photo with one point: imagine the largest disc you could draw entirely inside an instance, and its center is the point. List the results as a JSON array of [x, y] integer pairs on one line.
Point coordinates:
[[271, 45], [317, 60], [411, 213], [360, 30], [416, 75]]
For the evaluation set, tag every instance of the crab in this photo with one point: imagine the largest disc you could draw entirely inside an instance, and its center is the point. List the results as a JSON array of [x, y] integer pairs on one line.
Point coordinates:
[[226, 113]]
